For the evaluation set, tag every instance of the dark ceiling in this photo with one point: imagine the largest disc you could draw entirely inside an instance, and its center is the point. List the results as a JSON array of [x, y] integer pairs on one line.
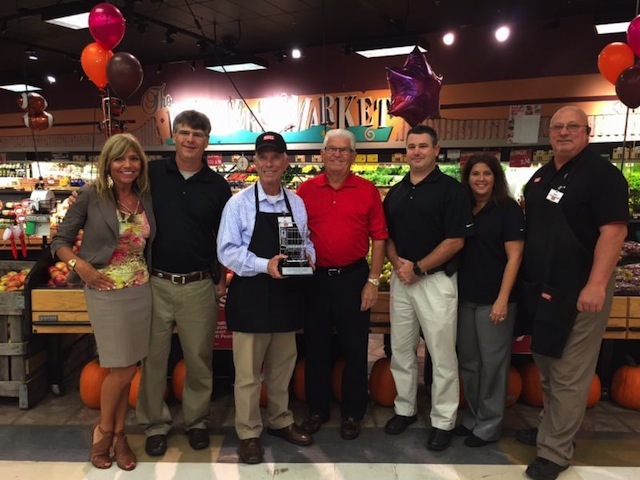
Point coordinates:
[[204, 28]]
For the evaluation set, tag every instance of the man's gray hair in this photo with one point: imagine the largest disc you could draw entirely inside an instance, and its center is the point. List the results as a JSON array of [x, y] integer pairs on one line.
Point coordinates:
[[339, 132]]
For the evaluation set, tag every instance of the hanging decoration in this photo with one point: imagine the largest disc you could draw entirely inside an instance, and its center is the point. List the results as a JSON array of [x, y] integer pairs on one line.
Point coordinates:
[[36, 118], [415, 89], [106, 25]]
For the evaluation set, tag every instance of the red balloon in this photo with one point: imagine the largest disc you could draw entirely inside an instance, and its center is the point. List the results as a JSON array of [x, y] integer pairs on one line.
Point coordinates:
[[34, 102], [39, 122], [633, 35], [94, 60], [614, 59], [106, 25], [628, 87], [415, 89], [125, 74]]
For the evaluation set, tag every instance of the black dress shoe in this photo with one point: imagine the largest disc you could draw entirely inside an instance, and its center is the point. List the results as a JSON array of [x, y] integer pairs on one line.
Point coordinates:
[[198, 438], [527, 436], [461, 431], [250, 451], [473, 441], [312, 423], [155, 445], [438, 439], [292, 434], [399, 423], [543, 469], [350, 428]]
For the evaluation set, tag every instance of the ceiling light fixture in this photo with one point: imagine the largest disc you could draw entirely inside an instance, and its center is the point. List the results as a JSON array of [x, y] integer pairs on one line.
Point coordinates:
[[448, 38], [616, 27], [51, 79], [31, 54], [389, 47], [236, 64], [296, 53], [502, 33], [78, 21], [72, 15], [20, 87]]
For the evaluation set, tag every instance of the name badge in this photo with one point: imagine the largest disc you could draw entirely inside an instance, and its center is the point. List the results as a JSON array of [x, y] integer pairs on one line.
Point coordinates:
[[554, 195], [285, 222]]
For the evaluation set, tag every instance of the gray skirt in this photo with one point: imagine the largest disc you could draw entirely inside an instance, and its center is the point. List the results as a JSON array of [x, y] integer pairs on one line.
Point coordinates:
[[121, 322]]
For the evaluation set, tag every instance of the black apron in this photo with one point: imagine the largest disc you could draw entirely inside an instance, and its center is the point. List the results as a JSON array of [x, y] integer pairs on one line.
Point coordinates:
[[262, 304], [555, 268]]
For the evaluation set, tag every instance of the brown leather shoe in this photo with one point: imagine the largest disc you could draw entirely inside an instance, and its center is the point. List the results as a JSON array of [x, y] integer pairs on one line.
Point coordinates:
[[292, 434], [312, 423], [250, 451], [350, 428]]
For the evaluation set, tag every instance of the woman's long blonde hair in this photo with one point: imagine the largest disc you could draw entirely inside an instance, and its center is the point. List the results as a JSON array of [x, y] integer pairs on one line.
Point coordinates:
[[116, 147]]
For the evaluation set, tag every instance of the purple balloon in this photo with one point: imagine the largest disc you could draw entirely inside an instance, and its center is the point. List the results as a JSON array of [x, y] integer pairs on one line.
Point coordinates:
[[415, 89], [628, 86], [125, 74], [106, 25]]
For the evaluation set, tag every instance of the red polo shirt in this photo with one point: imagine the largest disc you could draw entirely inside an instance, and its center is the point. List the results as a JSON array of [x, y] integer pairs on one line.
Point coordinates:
[[342, 220]]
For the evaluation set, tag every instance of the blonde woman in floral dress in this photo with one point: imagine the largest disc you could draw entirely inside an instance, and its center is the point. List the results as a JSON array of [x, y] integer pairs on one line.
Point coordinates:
[[117, 218]]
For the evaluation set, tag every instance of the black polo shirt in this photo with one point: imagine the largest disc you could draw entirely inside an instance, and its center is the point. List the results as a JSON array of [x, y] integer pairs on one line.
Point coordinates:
[[594, 193], [187, 216], [484, 256], [420, 217]]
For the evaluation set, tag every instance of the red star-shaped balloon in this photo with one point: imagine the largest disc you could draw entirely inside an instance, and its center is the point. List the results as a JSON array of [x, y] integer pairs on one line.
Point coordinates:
[[415, 89]]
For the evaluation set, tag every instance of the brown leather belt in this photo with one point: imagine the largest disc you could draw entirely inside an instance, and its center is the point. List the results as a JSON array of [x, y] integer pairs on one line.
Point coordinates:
[[181, 278]]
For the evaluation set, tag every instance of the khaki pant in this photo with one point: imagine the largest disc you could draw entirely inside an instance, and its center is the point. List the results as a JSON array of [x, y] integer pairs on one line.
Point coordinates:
[[193, 309], [566, 382], [277, 352]]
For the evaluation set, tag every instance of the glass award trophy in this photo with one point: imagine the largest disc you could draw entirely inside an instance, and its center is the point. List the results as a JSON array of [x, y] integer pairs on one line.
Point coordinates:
[[292, 244]]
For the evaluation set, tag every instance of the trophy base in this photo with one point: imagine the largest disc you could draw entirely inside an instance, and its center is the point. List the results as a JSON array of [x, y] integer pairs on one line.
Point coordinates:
[[295, 270]]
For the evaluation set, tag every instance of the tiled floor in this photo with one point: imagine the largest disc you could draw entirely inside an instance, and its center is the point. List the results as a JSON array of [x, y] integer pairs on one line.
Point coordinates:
[[52, 441]]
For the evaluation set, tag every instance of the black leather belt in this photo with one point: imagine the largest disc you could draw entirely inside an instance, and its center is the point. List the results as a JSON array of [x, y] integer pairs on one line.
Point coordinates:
[[337, 271], [181, 278]]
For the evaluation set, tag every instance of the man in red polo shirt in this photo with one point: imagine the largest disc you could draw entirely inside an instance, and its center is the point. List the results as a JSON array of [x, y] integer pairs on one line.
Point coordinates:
[[345, 212]]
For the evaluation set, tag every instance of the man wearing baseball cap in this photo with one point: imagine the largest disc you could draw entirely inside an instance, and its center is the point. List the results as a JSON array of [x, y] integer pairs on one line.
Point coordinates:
[[263, 309]]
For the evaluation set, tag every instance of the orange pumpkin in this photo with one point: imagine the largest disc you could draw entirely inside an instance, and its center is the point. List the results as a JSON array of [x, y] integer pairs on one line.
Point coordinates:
[[177, 379], [382, 387], [336, 379], [594, 392], [514, 387], [91, 379], [531, 385], [625, 385], [298, 381], [263, 394]]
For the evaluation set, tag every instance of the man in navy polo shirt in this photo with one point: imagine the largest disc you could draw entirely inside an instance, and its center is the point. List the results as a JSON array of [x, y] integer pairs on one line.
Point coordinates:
[[429, 216]]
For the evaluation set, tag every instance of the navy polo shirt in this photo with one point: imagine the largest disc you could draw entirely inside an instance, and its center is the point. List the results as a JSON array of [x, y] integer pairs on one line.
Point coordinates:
[[421, 216], [595, 193], [187, 216], [484, 256]]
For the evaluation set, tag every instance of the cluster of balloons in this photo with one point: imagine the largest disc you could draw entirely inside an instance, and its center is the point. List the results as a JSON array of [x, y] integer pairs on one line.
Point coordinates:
[[36, 118], [415, 89], [616, 62], [121, 71]]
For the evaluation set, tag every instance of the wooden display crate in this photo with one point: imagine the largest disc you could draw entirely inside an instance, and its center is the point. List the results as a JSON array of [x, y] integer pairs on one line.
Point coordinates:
[[59, 310], [618, 318], [379, 320]]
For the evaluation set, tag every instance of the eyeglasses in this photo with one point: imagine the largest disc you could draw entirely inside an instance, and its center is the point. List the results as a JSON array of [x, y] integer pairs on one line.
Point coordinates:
[[340, 150], [571, 128], [197, 135]]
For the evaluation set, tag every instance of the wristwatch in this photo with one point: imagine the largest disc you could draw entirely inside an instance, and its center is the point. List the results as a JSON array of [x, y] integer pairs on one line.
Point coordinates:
[[72, 264], [374, 281], [416, 269]]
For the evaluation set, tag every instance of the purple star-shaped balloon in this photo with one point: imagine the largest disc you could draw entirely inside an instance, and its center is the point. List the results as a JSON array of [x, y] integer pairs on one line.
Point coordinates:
[[415, 89]]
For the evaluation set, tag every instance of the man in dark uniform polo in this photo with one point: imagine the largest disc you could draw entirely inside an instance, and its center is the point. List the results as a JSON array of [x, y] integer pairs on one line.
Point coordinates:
[[576, 210]]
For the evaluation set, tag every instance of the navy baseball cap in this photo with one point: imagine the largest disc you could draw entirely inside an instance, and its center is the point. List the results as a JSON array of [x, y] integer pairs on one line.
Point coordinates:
[[273, 140]]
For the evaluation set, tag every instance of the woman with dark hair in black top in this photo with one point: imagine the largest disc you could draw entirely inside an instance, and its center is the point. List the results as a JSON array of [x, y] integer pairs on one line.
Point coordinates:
[[486, 310]]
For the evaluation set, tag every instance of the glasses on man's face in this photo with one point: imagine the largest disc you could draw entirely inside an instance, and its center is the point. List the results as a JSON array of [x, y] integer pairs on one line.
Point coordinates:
[[198, 135], [571, 127], [340, 150]]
